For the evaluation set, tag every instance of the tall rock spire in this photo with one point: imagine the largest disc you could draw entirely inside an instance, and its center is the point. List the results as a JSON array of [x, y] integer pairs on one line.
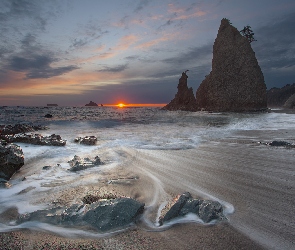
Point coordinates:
[[184, 98], [236, 82]]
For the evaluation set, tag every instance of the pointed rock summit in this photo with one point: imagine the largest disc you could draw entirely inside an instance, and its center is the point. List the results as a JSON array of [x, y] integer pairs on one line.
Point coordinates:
[[236, 82], [184, 98]]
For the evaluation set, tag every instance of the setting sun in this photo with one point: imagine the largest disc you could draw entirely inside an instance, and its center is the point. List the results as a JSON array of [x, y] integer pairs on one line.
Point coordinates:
[[121, 105]]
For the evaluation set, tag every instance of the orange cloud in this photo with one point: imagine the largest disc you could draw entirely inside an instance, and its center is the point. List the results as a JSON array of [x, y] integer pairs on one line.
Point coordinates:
[[182, 14], [72, 83], [151, 43]]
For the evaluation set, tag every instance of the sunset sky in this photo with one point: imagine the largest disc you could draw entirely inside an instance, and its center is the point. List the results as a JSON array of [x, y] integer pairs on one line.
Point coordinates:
[[129, 51]]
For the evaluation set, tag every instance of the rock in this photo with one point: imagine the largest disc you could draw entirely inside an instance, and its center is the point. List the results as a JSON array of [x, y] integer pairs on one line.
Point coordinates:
[[78, 164], [11, 160], [36, 139], [290, 103], [88, 140], [236, 82], [207, 210], [104, 215], [91, 103], [48, 116], [113, 214], [277, 97], [281, 144], [210, 210], [184, 98], [20, 128], [46, 167]]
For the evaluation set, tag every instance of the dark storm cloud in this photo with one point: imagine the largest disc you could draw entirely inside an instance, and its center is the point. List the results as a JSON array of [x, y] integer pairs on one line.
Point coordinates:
[[114, 69], [37, 66], [192, 54], [34, 60], [275, 46]]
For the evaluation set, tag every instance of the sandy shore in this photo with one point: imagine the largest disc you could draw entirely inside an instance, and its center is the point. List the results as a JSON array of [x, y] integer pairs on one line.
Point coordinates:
[[257, 180]]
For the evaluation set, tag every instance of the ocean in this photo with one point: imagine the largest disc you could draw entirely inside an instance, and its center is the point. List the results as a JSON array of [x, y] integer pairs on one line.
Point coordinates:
[[153, 155]]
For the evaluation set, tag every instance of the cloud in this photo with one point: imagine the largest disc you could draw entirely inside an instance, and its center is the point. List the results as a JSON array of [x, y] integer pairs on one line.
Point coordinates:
[[141, 5], [275, 46], [37, 66], [191, 55], [114, 69], [33, 60]]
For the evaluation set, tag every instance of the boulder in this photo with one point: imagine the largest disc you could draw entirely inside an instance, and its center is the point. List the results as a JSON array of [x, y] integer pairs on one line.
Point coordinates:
[[184, 98], [91, 103], [207, 210], [113, 214], [236, 82], [36, 139], [11, 159], [78, 164], [48, 116], [87, 140], [19, 128], [103, 215]]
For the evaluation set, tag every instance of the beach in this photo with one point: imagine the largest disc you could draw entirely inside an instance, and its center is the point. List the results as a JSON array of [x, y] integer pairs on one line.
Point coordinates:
[[227, 161]]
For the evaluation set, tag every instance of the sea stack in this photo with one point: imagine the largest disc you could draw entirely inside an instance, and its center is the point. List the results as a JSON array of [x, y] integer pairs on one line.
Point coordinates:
[[91, 104], [236, 82], [184, 98]]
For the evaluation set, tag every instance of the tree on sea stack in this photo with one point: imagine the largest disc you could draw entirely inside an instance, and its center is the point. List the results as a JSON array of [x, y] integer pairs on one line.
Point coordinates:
[[248, 33]]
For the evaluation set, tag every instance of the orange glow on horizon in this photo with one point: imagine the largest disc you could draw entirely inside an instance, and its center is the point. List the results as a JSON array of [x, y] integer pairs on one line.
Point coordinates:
[[121, 105], [136, 105]]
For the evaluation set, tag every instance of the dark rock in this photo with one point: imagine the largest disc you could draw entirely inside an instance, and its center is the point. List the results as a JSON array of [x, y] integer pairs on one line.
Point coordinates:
[[207, 210], [281, 144], [113, 214], [91, 103], [236, 82], [290, 103], [210, 210], [103, 215], [20, 128], [36, 139], [88, 140], [48, 116], [78, 164], [46, 167], [184, 98], [11, 160], [277, 97]]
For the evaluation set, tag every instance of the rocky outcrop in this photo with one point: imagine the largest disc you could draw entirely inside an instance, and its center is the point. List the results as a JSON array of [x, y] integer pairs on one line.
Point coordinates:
[[87, 140], [11, 160], [78, 164], [184, 98], [236, 82], [103, 215], [36, 139], [19, 128], [207, 210], [277, 97], [91, 103], [290, 103]]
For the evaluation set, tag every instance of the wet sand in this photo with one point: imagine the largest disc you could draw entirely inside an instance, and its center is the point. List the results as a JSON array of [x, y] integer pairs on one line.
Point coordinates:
[[257, 180]]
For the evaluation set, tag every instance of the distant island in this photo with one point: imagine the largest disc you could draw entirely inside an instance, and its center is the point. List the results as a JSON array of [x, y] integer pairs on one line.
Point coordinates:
[[92, 104], [52, 105]]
